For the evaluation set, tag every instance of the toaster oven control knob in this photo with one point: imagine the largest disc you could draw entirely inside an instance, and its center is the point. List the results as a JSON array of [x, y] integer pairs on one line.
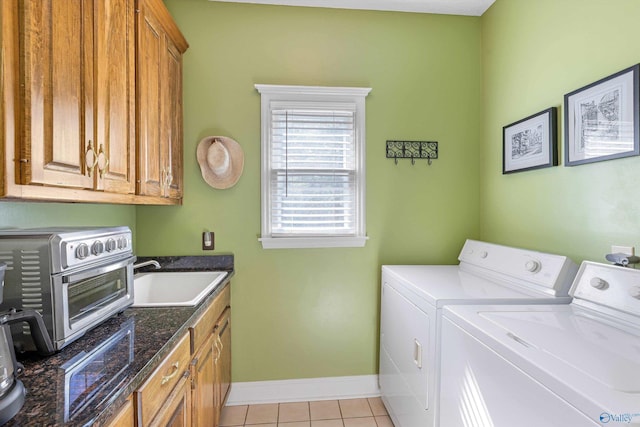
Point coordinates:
[[111, 245], [122, 243], [532, 266], [82, 251], [97, 248]]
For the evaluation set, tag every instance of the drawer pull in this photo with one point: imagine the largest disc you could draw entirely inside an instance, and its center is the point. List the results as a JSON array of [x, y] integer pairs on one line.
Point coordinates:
[[167, 378]]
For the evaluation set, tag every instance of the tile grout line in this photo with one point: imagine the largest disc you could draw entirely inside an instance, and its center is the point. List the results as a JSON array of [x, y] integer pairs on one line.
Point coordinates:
[[308, 403]]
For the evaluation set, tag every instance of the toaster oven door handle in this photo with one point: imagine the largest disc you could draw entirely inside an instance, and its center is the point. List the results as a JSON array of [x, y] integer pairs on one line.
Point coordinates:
[[93, 272], [100, 303]]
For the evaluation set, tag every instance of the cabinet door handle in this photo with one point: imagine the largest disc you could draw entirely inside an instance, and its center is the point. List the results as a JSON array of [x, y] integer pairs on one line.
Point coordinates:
[[169, 177], [90, 165], [417, 353], [101, 170], [165, 181], [167, 378], [166, 178], [218, 349]]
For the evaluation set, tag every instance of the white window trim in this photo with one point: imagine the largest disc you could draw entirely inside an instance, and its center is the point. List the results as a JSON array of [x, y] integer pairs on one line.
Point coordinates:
[[270, 93]]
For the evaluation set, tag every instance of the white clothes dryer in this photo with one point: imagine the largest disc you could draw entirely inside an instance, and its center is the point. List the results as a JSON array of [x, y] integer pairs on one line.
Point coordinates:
[[547, 365], [412, 300]]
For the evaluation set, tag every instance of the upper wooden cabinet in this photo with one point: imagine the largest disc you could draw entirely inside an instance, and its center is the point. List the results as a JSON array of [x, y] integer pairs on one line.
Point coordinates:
[[70, 101], [79, 85], [159, 84]]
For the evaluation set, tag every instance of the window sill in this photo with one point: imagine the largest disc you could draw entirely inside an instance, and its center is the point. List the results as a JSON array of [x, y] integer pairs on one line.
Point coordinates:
[[312, 242]]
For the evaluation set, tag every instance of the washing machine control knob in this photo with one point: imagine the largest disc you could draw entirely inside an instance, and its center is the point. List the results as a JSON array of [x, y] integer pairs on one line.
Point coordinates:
[[483, 254], [598, 283], [532, 266], [634, 291]]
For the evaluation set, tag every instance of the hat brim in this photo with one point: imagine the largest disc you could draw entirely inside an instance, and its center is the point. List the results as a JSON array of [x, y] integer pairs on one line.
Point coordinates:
[[236, 156]]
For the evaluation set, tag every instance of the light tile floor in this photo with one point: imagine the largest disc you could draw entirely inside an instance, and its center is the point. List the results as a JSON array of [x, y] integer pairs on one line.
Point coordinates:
[[326, 413]]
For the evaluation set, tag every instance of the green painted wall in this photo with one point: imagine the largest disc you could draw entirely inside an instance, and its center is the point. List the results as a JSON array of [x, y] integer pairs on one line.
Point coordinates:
[[314, 313], [25, 215], [458, 80], [533, 53]]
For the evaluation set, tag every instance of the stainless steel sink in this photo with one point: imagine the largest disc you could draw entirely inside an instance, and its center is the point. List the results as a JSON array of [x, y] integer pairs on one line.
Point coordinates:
[[170, 289]]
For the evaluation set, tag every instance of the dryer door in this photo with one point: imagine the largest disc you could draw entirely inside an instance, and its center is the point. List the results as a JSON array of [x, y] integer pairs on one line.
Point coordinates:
[[404, 338]]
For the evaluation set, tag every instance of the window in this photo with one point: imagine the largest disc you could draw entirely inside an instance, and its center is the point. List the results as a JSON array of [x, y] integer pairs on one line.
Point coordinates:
[[313, 166]]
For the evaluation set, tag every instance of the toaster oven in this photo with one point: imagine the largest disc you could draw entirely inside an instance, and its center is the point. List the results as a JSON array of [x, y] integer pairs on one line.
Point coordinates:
[[76, 278]]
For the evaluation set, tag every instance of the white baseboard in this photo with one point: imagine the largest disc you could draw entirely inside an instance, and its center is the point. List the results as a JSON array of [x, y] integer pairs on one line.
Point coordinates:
[[302, 390]]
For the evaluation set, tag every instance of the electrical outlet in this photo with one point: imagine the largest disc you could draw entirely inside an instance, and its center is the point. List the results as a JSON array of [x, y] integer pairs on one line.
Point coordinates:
[[627, 250], [208, 240]]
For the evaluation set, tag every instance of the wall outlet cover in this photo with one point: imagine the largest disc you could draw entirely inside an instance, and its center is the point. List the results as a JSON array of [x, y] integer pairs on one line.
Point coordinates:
[[628, 250], [208, 240]]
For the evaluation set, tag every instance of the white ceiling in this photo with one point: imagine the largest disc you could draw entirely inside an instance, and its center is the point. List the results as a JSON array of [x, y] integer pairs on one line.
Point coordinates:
[[449, 7]]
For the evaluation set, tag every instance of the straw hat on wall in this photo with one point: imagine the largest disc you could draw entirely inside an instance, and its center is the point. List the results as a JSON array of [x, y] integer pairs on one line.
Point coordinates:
[[221, 161]]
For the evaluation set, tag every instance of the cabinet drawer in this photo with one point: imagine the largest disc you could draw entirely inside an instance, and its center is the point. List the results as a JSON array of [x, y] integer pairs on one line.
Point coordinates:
[[152, 394], [204, 325]]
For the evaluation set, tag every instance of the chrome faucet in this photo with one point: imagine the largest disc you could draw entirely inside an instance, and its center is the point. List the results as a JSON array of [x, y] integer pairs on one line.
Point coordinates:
[[153, 262]]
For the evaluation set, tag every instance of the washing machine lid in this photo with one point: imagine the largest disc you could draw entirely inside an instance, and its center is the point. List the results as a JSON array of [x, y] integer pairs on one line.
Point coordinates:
[[591, 361], [441, 285]]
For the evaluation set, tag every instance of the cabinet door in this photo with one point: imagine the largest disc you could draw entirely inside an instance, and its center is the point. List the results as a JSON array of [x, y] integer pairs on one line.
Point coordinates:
[[176, 410], [57, 53], [203, 376], [115, 95], [151, 41], [173, 122], [159, 102], [223, 360]]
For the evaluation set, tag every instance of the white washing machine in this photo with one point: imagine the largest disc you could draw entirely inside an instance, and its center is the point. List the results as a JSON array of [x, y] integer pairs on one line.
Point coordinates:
[[547, 365], [414, 295]]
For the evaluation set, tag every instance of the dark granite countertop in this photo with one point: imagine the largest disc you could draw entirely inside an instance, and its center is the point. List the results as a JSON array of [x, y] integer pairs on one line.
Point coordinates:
[[89, 380]]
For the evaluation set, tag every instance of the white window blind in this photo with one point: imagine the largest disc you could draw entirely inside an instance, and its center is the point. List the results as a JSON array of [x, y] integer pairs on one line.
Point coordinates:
[[313, 169], [313, 175]]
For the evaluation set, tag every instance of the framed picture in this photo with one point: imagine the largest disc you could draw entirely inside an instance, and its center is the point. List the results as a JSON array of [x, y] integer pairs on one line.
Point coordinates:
[[601, 120], [531, 143]]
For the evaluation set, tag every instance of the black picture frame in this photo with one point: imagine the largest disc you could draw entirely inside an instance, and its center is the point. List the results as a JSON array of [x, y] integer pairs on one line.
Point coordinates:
[[531, 143], [601, 119]]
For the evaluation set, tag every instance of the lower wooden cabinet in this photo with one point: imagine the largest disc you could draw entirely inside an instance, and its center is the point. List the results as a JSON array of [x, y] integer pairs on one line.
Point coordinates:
[[125, 416], [222, 385], [190, 386], [211, 365], [203, 377]]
